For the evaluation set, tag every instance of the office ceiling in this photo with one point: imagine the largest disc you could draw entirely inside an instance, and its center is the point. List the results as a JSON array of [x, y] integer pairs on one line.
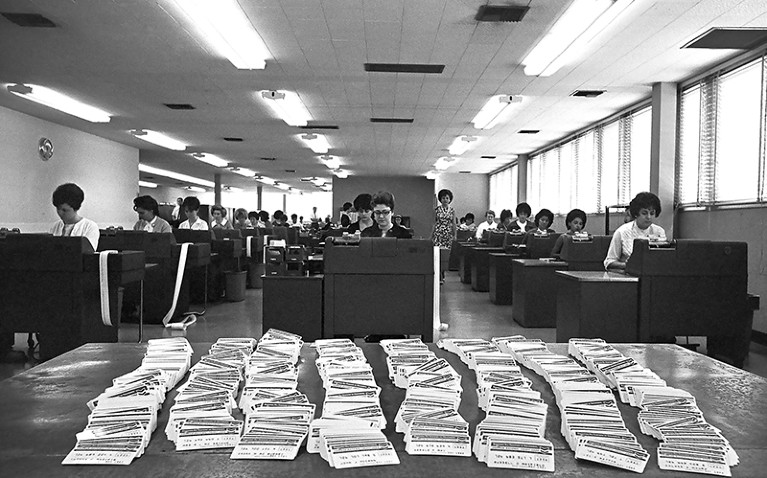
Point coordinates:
[[129, 57]]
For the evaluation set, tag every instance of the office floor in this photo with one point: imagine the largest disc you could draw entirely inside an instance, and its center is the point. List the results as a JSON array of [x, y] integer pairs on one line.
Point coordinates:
[[468, 314]]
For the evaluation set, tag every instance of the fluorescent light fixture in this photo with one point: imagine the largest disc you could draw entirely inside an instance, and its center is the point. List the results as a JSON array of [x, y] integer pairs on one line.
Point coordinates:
[[287, 105], [318, 182], [432, 175], [581, 23], [227, 29], [340, 173], [327, 187], [147, 184], [195, 189], [211, 159], [232, 189], [265, 180], [460, 145], [159, 139], [331, 161], [495, 110], [248, 173], [282, 186], [170, 174], [48, 97], [316, 142], [444, 162]]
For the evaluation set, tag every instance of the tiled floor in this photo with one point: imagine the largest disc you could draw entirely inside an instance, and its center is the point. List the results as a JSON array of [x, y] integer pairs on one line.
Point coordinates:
[[469, 315]]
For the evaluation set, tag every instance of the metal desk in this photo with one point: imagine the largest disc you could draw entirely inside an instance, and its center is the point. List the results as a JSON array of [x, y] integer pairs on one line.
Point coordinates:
[[44, 407]]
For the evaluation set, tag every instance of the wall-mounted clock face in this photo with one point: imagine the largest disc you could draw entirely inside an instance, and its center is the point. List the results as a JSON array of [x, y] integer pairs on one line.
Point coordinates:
[[45, 149]]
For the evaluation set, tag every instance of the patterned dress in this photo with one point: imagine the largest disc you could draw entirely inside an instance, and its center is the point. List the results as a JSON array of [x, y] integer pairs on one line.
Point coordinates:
[[443, 228]]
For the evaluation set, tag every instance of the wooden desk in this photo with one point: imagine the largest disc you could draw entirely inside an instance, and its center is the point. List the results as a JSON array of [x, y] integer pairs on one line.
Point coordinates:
[[43, 408], [596, 304], [499, 282], [480, 266], [293, 303], [531, 288]]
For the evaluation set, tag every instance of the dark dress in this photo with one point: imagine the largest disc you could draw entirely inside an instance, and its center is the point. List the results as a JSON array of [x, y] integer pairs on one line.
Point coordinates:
[[443, 228], [395, 231]]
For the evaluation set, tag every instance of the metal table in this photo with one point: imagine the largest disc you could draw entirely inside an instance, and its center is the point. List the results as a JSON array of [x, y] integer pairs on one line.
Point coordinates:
[[44, 407]]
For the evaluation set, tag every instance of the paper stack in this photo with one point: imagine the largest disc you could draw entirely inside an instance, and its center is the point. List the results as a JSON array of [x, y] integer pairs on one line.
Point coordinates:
[[688, 442], [124, 416], [277, 414], [201, 417], [591, 421], [512, 433], [349, 433]]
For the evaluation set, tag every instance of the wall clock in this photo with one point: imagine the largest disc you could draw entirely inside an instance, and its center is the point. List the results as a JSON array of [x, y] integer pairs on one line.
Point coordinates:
[[45, 149]]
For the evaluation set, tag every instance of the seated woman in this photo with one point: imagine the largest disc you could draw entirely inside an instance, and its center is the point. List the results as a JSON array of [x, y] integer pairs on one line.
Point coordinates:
[[522, 223], [193, 221], [468, 224], [263, 219], [241, 220], [506, 223], [148, 216], [644, 208], [68, 198], [543, 220], [383, 208], [219, 218], [575, 222], [364, 208]]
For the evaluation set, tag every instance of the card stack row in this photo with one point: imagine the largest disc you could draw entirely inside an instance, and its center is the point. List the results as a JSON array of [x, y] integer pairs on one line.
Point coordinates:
[[428, 416], [592, 423], [201, 417], [349, 433], [277, 415], [512, 433], [670, 415], [124, 416]]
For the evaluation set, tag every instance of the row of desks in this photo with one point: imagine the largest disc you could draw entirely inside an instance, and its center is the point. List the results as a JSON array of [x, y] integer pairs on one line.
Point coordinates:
[[43, 408]]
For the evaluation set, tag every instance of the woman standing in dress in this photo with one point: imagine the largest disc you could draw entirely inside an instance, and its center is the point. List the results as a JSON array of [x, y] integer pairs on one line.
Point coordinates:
[[444, 225]]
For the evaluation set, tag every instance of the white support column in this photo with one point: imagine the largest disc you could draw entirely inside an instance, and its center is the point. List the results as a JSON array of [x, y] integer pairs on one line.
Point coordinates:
[[663, 151]]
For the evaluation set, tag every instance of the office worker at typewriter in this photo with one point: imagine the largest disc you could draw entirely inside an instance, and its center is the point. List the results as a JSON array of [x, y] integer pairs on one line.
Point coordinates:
[[219, 218], [644, 208], [68, 198], [522, 223], [193, 221], [575, 222], [364, 208], [506, 221], [489, 224], [383, 210], [148, 216], [543, 220]]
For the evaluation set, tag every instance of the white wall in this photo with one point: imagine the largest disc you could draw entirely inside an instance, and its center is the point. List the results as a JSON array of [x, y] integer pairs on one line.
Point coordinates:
[[471, 193], [106, 171]]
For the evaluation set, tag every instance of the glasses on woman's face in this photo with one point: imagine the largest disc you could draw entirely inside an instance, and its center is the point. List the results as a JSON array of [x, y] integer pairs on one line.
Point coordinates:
[[384, 212]]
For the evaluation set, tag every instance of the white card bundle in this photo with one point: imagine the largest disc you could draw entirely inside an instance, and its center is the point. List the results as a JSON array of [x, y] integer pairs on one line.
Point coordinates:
[[124, 416], [356, 448], [276, 429]]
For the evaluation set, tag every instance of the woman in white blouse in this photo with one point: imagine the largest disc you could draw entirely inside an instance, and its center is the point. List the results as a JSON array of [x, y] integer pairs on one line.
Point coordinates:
[[193, 221], [68, 198], [644, 208]]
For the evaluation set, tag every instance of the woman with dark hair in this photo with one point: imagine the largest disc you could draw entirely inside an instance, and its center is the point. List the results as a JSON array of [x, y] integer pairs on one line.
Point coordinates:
[[522, 224], [219, 218], [506, 223], [193, 221], [263, 219], [575, 222], [644, 208], [444, 220], [67, 199], [383, 210], [543, 220], [148, 216], [364, 208]]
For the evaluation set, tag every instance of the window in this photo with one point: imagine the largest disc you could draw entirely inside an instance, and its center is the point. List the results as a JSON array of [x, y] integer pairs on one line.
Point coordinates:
[[641, 126], [503, 189], [608, 153], [721, 138]]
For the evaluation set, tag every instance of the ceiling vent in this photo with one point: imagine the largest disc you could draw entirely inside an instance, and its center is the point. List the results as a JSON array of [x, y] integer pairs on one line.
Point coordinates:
[[232, 139], [29, 20], [290, 170], [501, 13], [529, 131], [404, 68], [465, 172], [179, 106], [264, 158], [391, 120], [311, 125], [587, 93], [729, 38], [488, 157]]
